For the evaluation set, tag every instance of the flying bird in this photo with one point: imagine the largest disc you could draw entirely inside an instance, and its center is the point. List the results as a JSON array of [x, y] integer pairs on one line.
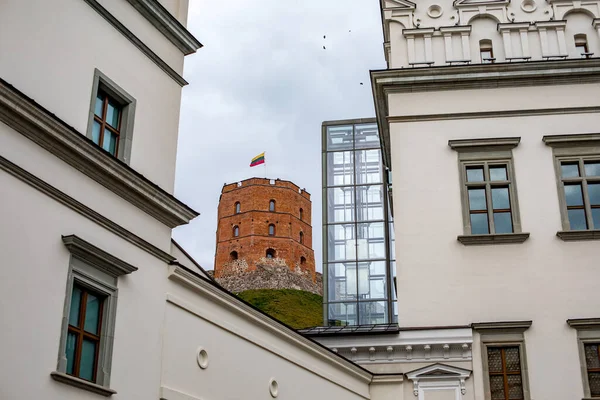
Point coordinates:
[[361, 83], [323, 36], [323, 47]]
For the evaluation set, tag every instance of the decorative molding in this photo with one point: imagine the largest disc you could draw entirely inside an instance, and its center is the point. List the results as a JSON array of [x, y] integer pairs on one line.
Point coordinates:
[[82, 209], [455, 29], [497, 238], [581, 139], [222, 298], [167, 24], [584, 323], [493, 114], [387, 378], [136, 41], [202, 357], [81, 384], [510, 326], [574, 236], [40, 126], [438, 373], [484, 76], [513, 26], [418, 32], [506, 143], [273, 387], [399, 4], [97, 257], [478, 3]]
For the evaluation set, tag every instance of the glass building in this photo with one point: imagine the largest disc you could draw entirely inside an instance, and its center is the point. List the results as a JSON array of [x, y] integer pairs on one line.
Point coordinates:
[[358, 241]]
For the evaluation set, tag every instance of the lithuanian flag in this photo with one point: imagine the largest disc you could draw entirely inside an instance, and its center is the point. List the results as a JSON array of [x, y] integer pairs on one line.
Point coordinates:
[[259, 159]]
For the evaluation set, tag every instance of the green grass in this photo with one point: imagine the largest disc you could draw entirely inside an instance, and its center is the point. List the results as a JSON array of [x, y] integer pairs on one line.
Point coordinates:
[[296, 308]]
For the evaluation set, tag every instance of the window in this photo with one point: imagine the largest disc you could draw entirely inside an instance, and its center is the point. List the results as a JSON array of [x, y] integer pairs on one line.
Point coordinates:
[[301, 237], [301, 214], [592, 361], [302, 260], [271, 230], [581, 185], [238, 208], [578, 182], [486, 51], [581, 45], [488, 190], [270, 253], [588, 341], [111, 117], [88, 329], [504, 364], [233, 256], [236, 231], [83, 337], [272, 205]]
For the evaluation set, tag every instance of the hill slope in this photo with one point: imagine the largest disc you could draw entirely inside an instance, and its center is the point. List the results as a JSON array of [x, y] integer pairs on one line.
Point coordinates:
[[296, 308]]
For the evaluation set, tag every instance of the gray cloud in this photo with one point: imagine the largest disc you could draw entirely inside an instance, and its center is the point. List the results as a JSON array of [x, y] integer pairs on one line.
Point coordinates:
[[263, 82]]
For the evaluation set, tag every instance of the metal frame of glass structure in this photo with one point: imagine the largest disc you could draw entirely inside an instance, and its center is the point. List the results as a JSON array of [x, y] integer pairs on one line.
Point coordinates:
[[358, 238]]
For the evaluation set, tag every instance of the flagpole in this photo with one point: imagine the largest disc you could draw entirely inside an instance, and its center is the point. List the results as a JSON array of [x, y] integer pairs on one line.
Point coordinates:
[[265, 164]]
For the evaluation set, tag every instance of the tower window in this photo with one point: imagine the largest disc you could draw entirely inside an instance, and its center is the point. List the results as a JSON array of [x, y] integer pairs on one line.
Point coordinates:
[[270, 253], [272, 205], [302, 260], [238, 207], [301, 237], [301, 214], [271, 230], [486, 51], [581, 45], [236, 231], [233, 256]]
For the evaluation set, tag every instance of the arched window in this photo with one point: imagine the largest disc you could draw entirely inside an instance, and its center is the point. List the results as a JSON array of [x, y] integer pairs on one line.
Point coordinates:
[[301, 237], [272, 205], [486, 51], [271, 230], [301, 214], [581, 45], [236, 231], [270, 253], [302, 260], [233, 256], [238, 207]]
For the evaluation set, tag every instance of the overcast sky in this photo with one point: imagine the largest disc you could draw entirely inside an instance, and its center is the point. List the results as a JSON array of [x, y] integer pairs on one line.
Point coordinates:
[[263, 82]]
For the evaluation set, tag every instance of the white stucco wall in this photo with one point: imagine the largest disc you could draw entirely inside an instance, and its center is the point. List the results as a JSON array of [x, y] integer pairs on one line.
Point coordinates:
[[33, 281], [54, 48], [544, 279]]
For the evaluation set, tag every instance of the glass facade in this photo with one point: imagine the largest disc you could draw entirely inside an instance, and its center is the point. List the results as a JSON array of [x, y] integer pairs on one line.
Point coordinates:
[[358, 238]]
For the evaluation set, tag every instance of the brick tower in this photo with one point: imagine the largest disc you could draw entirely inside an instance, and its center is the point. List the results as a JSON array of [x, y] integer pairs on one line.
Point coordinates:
[[265, 222]]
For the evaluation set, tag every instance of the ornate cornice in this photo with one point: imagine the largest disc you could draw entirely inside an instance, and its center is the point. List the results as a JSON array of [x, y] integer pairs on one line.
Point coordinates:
[[484, 143], [504, 326], [482, 76], [37, 124], [166, 23], [578, 139]]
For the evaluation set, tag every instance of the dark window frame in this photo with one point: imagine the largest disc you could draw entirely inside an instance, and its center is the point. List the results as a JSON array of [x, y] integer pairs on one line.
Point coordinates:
[[104, 124], [592, 370], [505, 373]]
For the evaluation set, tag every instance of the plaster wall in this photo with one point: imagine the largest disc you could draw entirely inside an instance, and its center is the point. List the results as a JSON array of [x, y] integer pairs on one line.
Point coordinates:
[[243, 351], [33, 282], [60, 77], [67, 179], [543, 279]]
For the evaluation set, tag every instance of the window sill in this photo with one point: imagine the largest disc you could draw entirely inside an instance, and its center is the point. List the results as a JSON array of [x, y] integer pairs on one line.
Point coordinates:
[[571, 236], [500, 238], [82, 384]]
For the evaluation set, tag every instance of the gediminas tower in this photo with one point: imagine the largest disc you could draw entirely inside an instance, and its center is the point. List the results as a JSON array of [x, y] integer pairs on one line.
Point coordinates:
[[264, 221]]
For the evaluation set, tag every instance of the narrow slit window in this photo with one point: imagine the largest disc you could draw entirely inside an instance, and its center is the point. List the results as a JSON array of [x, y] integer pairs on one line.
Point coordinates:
[[301, 214], [271, 230], [238, 208], [301, 237], [272, 205], [236, 231], [270, 253]]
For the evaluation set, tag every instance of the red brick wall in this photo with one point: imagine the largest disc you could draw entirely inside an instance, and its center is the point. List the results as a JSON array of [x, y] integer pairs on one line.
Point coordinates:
[[254, 219]]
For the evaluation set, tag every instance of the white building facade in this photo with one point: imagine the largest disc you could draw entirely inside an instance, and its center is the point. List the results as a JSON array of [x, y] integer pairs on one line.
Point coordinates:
[[489, 115], [96, 299]]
